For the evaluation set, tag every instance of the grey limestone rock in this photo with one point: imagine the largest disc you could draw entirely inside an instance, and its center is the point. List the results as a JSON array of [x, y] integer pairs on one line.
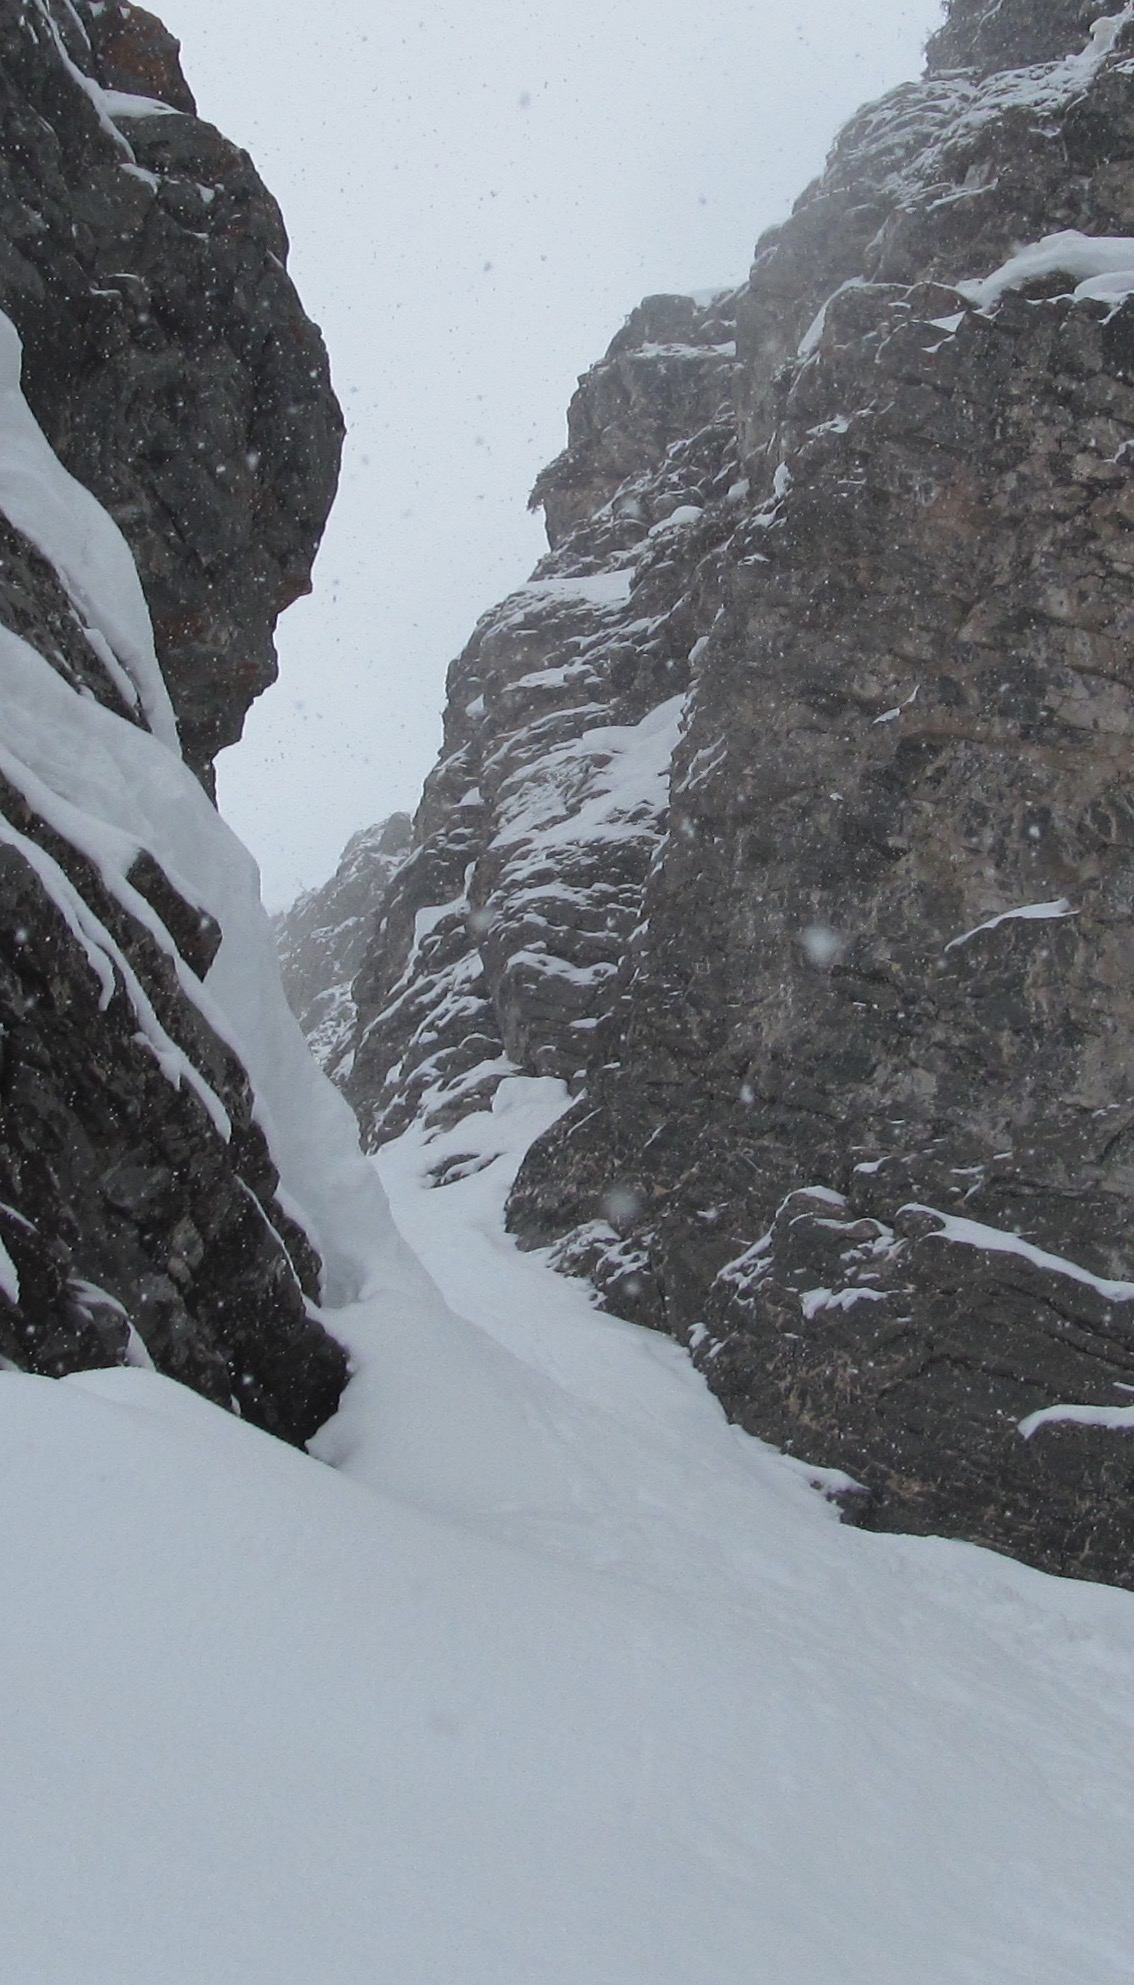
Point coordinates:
[[500, 944], [322, 939], [841, 981]]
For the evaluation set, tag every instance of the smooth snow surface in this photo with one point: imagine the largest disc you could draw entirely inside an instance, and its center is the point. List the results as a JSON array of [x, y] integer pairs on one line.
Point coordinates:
[[84, 545], [571, 1684]]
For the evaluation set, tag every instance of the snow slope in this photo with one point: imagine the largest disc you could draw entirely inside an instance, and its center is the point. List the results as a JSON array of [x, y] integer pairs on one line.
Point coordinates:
[[555, 1680]]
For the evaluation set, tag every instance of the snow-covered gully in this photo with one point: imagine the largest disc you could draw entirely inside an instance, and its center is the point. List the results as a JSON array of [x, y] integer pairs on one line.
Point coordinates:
[[531, 1669], [552, 1678]]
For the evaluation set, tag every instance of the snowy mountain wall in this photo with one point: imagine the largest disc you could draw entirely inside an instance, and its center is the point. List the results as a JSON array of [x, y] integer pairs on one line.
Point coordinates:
[[786, 816], [323, 938], [177, 1184]]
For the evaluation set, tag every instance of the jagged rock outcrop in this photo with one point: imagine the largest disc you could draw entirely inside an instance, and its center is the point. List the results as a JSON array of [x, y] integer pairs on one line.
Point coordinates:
[[323, 938], [500, 943], [171, 371], [167, 357], [841, 984]]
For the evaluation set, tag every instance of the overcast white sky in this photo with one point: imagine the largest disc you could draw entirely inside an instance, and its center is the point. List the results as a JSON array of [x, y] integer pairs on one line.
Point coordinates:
[[476, 195]]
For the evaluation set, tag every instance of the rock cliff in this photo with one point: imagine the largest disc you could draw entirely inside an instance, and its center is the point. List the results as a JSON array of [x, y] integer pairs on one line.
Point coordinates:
[[168, 450], [166, 355], [786, 815], [324, 937]]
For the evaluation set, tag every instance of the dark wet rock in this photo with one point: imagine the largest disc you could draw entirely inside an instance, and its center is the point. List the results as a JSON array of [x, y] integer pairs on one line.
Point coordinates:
[[119, 1196], [1011, 33], [167, 356], [169, 363], [135, 52], [844, 1000], [34, 605]]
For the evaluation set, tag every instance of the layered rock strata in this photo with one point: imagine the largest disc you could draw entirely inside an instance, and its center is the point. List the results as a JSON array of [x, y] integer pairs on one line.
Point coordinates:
[[162, 395], [787, 815]]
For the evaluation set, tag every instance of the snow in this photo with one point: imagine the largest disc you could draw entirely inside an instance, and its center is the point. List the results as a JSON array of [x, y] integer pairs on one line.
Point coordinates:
[[890, 716], [679, 519], [813, 336], [426, 922], [124, 103], [87, 84], [534, 1670], [83, 544], [1102, 39], [9, 1276], [555, 1678], [1101, 268], [971, 1233], [109, 104], [814, 1301], [652, 350], [601, 589], [111, 788], [611, 783], [1026, 913], [918, 137], [1121, 1417], [105, 958]]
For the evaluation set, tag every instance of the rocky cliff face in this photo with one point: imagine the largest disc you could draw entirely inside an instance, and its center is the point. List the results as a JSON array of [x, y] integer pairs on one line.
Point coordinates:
[[324, 937], [786, 815], [165, 414], [167, 357]]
